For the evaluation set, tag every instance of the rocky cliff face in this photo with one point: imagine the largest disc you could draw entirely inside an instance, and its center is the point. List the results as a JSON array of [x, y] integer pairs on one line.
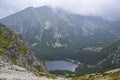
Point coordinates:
[[14, 50]]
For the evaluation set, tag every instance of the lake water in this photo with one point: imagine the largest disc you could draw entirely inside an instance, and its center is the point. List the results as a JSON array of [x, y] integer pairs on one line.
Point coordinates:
[[60, 65]]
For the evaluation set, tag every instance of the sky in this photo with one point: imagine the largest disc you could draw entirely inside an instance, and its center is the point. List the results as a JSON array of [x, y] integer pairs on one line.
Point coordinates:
[[107, 9]]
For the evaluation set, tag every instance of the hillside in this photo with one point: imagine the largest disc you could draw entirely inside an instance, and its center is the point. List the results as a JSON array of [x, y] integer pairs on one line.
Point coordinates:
[[109, 59], [111, 55], [108, 75], [14, 50]]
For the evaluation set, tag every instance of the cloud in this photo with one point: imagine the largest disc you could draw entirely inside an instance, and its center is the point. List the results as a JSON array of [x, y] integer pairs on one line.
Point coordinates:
[[108, 9]]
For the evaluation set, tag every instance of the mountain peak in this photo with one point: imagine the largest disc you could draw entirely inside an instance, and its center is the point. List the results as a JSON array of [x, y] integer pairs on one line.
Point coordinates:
[[43, 8]]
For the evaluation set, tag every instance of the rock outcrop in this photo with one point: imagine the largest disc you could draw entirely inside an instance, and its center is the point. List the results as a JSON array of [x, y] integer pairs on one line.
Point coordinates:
[[15, 51]]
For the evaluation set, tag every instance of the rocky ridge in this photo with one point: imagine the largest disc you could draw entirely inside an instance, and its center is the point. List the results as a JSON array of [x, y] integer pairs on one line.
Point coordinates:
[[14, 50]]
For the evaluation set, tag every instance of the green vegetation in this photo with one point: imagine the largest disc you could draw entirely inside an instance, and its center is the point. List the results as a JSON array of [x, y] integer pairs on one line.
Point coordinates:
[[4, 42], [104, 76], [63, 73], [2, 51], [1, 31], [3, 79], [48, 75], [24, 49]]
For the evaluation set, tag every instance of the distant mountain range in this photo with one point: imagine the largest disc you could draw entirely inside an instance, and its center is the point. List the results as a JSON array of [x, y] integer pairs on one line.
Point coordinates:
[[58, 34]]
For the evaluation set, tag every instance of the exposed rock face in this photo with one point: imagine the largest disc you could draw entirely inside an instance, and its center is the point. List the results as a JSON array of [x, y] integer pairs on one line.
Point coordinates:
[[16, 51]]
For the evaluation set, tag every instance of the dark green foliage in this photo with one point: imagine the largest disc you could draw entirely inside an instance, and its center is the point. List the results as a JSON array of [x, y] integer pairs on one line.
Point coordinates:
[[64, 73]]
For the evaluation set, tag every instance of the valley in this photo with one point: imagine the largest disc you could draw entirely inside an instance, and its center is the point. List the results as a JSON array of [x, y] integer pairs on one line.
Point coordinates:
[[46, 43]]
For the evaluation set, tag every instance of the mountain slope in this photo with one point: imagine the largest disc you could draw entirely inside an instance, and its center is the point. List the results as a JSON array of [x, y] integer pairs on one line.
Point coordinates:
[[112, 55], [109, 59], [14, 50], [57, 34], [108, 75]]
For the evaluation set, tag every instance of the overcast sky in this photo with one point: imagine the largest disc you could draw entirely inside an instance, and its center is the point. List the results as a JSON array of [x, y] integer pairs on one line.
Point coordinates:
[[108, 9]]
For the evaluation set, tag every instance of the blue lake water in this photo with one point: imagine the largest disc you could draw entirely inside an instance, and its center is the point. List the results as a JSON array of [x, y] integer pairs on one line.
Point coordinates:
[[61, 65]]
